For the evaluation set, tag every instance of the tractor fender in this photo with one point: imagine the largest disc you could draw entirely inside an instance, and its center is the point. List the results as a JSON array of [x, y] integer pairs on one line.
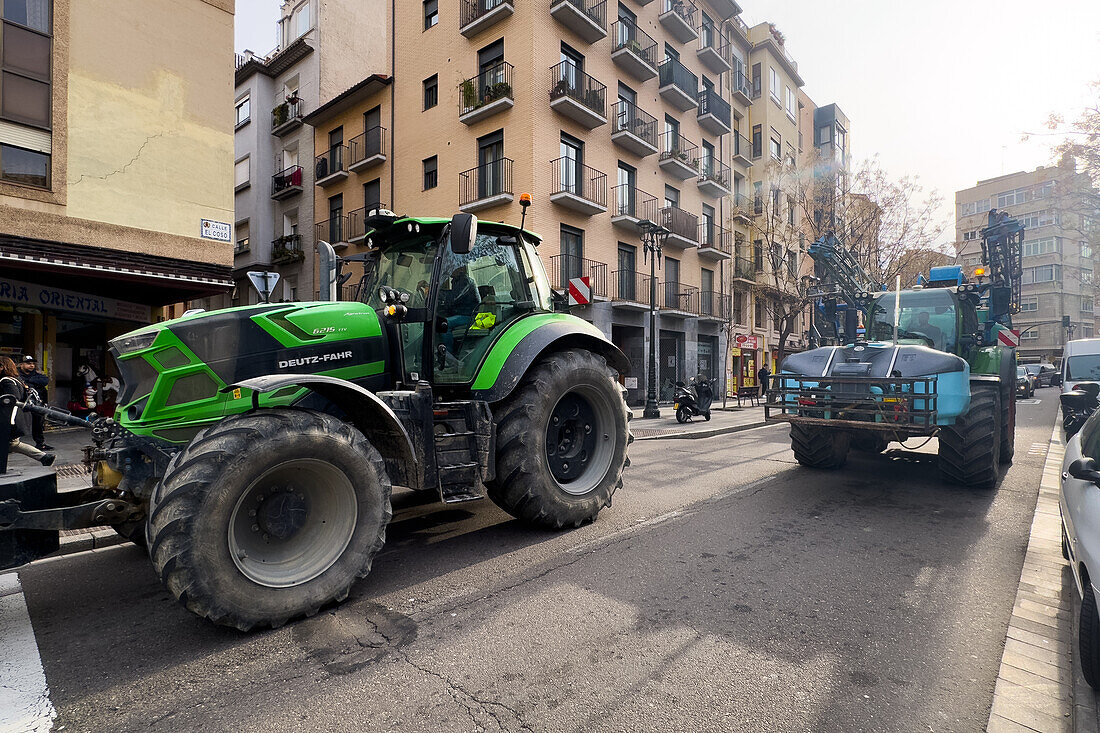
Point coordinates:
[[367, 412], [513, 353]]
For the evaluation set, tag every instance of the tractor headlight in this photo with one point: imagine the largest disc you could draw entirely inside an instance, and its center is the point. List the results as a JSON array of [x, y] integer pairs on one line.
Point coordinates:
[[137, 342]]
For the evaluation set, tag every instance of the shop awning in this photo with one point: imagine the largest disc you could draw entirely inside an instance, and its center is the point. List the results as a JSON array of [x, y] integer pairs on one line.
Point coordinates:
[[131, 276]]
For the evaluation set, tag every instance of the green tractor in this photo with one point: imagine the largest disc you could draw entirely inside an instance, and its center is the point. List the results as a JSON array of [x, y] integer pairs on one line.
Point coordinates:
[[254, 448], [936, 360]]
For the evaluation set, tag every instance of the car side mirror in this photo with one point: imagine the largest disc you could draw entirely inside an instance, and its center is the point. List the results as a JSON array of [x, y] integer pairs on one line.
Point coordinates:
[[463, 233], [1084, 469], [1056, 379]]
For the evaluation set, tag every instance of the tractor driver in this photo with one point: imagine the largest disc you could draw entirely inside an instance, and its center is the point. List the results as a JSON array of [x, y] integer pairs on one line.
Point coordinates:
[[458, 304], [921, 325]]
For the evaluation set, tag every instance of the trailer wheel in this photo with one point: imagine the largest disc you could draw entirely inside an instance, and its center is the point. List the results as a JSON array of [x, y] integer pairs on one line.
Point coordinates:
[[561, 441], [819, 447], [970, 449], [268, 516]]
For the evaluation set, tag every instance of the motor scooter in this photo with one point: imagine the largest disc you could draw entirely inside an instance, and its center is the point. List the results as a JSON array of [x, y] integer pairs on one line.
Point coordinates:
[[693, 399]]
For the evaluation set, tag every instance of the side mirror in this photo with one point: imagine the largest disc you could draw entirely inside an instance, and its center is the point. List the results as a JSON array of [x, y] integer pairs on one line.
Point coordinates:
[[1056, 379], [463, 233], [1084, 469]]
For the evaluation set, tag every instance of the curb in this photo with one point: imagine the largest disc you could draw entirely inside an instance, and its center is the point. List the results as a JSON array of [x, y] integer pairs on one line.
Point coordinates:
[[1035, 687], [697, 434], [97, 539]]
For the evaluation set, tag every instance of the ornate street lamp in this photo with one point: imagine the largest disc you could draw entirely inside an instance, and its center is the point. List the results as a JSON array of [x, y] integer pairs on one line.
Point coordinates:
[[653, 239]]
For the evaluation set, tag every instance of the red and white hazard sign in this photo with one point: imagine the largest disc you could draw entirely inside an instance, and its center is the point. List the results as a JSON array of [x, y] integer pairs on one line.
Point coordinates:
[[580, 291], [1006, 337]]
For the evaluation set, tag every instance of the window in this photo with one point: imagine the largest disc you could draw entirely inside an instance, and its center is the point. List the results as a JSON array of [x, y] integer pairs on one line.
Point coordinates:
[[625, 197], [431, 173], [775, 147], [1086, 276], [970, 236], [792, 264], [490, 158], [431, 13], [791, 104], [571, 165], [1046, 245], [240, 231], [759, 313], [1086, 304], [1086, 250], [1029, 304], [1014, 197], [301, 20], [241, 173], [774, 87], [672, 197], [336, 218], [757, 198], [25, 80], [243, 112], [758, 254], [33, 14], [1045, 191], [26, 167], [757, 141], [571, 245], [431, 91], [372, 194], [823, 135], [1044, 274], [1031, 334], [1086, 331], [974, 207]]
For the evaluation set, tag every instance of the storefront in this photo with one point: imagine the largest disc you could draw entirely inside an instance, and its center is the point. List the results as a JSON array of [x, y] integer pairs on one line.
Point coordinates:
[[744, 363]]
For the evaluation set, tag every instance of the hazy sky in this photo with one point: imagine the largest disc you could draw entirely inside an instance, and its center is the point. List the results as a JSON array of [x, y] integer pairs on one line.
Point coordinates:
[[941, 89]]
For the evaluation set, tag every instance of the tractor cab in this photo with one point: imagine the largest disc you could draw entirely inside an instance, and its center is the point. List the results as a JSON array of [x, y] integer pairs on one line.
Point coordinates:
[[936, 316]]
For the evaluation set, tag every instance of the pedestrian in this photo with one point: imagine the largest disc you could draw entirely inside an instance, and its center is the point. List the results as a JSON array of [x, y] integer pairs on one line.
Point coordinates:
[[762, 375], [36, 382], [12, 384]]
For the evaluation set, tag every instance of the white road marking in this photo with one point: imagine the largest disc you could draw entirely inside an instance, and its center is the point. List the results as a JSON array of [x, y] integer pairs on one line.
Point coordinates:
[[24, 695], [1037, 449]]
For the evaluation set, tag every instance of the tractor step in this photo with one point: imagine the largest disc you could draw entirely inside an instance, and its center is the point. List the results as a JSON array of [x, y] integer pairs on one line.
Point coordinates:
[[462, 434], [456, 482]]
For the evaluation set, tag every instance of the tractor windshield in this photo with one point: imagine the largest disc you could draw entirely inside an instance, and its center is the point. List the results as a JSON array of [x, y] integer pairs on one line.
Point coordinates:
[[926, 315], [405, 266]]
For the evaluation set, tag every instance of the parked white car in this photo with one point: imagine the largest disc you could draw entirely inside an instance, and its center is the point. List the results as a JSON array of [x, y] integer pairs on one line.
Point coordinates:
[[1079, 502], [1080, 362]]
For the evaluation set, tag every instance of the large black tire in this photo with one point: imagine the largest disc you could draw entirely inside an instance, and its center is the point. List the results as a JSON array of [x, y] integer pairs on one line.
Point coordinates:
[[819, 447], [1008, 424], [543, 475], [133, 531], [317, 486], [970, 450], [1088, 637]]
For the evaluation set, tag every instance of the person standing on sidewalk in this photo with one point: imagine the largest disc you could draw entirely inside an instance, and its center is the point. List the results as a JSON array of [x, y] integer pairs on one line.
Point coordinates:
[[36, 382], [762, 376], [12, 384]]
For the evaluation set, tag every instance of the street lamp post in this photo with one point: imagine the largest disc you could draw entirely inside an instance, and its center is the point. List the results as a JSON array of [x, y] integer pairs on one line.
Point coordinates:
[[653, 237]]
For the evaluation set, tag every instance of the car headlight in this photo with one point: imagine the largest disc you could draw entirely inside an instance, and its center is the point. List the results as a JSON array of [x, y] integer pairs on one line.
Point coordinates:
[[137, 342]]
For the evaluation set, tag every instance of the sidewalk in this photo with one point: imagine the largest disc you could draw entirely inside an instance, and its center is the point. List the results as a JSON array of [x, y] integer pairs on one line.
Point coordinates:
[[722, 421]]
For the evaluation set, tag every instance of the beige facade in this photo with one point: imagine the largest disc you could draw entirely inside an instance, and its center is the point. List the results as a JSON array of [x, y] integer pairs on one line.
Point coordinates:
[[116, 175]]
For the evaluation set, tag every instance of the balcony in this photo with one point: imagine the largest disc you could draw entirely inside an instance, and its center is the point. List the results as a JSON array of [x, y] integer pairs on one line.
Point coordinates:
[[682, 226], [742, 151], [678, 18], [715, 306], [586, 18], [713, 113], [477, 15], [741, 208], [241, 247], [679, 87], [630, 290], [633, 50], [578, 187], [714, 50], [577, 95], [357, 222], [742, 90], [631, 207], [715, 242], [329, 167], [286, 183], [487, 185], [334, 231], [744, 269], [486, 94], [678, 155], [286, 117], [287, 248], [679, 300], [740, 27], [367, 150], [634, 130], [715, 178], [563, 268]]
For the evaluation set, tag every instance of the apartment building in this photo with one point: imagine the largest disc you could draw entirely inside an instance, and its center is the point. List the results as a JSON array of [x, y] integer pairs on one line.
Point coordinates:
[[322, 49], [1057, 206], [115, 171]]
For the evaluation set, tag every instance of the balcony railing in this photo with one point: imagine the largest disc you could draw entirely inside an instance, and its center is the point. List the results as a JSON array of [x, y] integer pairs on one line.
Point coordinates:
[[712, 169], [677, 147], [742, 206], [595, 10], [680, 297], [486, 181], [565, 267], [684, 8], [241, 246], [287, 248], [631, 286], [680, 223], [630, 118], [715, 237], [626, 34], [581, 180], [710, 103], [474, 10], [674, 73], [739, 83], [489, 86], [629, 201], [331, 162], [713, 43], [715, 304], [357, 227], [332, 230], [370, 144], [289, 111], [740, 26], [566, 80], [741, 148], [286, 179]]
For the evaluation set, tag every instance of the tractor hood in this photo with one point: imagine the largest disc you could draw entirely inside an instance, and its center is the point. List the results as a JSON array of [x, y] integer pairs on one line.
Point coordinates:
[[876, 359]]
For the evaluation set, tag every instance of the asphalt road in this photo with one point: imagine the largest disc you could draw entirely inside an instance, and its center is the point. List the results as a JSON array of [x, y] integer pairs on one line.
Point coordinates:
[[726, 589]]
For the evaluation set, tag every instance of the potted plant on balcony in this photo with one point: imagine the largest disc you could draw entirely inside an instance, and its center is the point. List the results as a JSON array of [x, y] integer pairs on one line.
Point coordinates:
[[560, 89], [469, 95], [280, 113], [593, 99], [498, 90]]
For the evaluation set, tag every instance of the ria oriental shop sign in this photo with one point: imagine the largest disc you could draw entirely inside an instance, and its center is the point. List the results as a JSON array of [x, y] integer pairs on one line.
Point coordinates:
[[32, 295]]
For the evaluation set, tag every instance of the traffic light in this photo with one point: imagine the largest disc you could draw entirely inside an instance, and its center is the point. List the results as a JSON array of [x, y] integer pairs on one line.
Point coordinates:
[[1065, 321]]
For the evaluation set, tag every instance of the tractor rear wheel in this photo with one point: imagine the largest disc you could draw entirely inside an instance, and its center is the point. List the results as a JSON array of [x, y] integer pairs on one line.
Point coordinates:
[[819, 447], [268, 516], [970, 450], [562, 437], [1008, 425]]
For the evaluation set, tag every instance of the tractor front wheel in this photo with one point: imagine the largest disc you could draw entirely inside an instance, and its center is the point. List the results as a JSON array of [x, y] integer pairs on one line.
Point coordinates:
[[970, 450], [562, 437], [268, 516], [820, 447]]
